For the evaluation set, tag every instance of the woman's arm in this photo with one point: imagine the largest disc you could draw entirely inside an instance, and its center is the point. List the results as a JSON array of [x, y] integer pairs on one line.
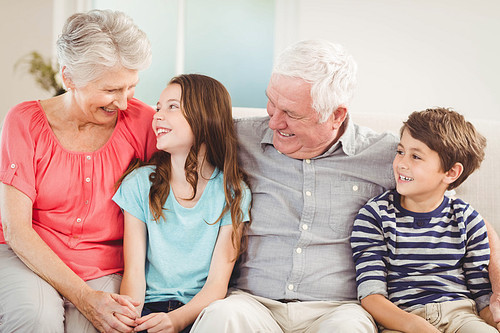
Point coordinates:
[[215, 288], [391, 317], [134, 255], [98, 307], [494, 271]]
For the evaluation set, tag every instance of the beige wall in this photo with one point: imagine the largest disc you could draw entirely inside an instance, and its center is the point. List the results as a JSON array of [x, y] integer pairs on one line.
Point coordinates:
[[25, 25]]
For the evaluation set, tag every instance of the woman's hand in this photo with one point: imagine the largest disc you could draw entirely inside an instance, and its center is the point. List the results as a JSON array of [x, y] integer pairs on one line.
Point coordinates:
[[156, 322], [109, 312]]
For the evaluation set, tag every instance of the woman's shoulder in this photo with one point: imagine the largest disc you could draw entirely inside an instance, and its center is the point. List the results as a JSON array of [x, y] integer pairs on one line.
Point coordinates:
[[28, 115], [28, 109], [137, 110]]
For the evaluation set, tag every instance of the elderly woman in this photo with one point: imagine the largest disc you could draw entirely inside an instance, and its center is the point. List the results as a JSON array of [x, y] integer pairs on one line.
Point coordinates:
[[61, 245]]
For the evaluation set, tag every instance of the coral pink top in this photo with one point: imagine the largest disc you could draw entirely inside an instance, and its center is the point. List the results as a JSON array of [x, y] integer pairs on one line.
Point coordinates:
[[71, 191]]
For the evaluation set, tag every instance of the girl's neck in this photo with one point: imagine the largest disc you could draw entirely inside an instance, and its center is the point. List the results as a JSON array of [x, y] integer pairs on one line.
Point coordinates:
[[181, 187]]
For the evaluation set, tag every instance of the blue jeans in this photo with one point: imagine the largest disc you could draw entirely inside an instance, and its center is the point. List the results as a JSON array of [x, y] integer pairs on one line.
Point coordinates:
[[163, 307]]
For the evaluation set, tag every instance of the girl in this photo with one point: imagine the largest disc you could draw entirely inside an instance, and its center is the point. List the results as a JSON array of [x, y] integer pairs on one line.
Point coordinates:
[[184, 209]]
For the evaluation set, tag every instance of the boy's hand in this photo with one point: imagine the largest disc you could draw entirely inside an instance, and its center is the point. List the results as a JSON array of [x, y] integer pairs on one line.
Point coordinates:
[[420, 325]]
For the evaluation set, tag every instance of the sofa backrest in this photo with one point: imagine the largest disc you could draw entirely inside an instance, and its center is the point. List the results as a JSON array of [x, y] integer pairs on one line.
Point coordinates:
[[478, 190]]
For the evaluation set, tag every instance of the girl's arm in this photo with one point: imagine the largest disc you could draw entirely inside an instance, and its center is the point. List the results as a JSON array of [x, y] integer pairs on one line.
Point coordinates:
[[97, 306], [215, 288], [391, 317], [134, 255]]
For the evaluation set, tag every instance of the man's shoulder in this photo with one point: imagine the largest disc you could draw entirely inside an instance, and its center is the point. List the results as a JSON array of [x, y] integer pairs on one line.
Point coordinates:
[[381, 146], [255, 126], [367, 136]]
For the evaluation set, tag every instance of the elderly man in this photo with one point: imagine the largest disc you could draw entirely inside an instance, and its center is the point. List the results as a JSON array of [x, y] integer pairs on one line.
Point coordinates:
[[311, 169]]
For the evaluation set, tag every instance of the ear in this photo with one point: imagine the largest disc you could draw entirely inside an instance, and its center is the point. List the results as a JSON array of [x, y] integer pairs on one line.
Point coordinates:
[[455, 171], [68, 83], [338, 116]]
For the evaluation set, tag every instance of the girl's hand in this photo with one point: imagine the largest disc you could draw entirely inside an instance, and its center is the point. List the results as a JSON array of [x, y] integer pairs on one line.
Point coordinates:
[[156, 322]]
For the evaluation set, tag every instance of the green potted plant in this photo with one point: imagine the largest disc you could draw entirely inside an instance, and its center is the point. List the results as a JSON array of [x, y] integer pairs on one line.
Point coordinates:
[[44, 72]]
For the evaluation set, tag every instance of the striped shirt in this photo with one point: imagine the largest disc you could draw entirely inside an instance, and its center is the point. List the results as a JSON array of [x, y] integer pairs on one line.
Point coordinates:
[[418, 258]]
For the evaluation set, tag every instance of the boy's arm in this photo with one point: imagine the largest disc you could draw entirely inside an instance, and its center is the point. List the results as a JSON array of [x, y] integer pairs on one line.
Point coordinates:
[[391, 317], [494, 271], [215, 288]]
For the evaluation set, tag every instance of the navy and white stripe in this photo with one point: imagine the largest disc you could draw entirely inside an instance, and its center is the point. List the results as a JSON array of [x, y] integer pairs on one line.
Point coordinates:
[[418, 258]]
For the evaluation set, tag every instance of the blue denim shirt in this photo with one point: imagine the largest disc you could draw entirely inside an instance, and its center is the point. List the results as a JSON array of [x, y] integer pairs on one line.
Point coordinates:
[[303, 211]]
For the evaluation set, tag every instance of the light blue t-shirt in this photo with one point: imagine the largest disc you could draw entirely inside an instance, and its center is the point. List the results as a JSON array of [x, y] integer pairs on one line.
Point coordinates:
[[180, 247]]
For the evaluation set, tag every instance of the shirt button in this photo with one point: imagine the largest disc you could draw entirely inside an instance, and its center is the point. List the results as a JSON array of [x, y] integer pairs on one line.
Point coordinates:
[[355, 188], [298, 250], [290, 287], [88, 157], [12, 166], [78, 220], [86, 202], [305, 227], [308, 161], [308, 193], [87, 180]]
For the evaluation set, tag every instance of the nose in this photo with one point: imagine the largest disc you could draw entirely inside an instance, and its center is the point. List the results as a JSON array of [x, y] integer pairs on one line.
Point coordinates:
[[158, 116], [277, 119], [121, 100], [401, 162]]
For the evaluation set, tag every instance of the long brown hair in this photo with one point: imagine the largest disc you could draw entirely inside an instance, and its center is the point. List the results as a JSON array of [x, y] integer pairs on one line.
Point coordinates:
[[206, 105]]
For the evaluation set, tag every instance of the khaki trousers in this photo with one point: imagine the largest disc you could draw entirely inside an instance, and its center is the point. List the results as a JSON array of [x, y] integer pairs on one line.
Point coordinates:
[[453, 317], [243, 312], [29, 304]]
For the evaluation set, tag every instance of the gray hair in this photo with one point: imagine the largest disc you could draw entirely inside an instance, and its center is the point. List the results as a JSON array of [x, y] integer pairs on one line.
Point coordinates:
[[98, 40], [329, 69]]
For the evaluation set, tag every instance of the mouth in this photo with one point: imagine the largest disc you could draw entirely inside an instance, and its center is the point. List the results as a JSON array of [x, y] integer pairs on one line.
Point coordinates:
[[405, 179], [286, 135], [161, 131], [108, 110]]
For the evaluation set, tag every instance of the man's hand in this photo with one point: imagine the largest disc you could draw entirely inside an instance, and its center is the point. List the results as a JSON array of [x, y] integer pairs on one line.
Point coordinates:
[[495, 307]]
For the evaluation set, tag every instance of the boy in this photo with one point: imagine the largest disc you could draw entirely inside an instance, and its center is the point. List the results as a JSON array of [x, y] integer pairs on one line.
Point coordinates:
[[421, 257]]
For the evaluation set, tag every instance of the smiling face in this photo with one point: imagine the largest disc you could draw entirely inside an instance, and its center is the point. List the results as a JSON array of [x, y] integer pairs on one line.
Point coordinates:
[[420, 178], [173, 133], [297, 131], [100, 100]]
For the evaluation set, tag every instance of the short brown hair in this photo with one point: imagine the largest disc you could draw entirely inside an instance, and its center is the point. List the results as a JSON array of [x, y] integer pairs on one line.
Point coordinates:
[[451, 136]]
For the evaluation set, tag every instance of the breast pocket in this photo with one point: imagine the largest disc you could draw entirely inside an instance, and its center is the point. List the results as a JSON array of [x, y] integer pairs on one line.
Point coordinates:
[[347, 198]]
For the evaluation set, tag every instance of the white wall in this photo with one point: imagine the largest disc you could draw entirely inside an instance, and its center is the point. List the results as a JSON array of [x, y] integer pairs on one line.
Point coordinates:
[[411, 54], [414, 54], [25, 25]]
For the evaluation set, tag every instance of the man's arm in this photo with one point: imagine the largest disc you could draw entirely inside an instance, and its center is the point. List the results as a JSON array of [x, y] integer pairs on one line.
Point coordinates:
[[494, 270]]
